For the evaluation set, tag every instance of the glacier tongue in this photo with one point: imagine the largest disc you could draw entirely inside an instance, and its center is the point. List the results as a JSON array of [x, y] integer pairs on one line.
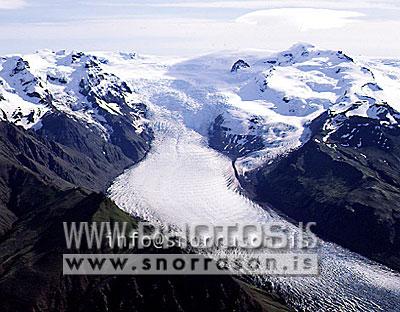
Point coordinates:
[[183, 180]]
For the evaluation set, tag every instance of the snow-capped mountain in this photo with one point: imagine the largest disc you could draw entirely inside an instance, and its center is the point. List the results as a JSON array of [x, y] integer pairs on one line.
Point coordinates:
[[71, 99], [252, 107], [278, 98], [72, 83]]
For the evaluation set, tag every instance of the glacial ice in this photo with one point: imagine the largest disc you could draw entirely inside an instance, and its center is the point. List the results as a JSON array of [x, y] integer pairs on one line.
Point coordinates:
[[183, 180]]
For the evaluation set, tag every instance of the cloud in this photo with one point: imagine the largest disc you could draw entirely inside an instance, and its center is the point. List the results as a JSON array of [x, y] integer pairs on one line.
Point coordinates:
[[250, 4], [302, 18], [217, 4], [182, 34], [12, 4], [255, 4]]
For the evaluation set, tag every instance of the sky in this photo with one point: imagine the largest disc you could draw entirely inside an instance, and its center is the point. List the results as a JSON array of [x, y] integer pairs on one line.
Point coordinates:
[[188, 28]]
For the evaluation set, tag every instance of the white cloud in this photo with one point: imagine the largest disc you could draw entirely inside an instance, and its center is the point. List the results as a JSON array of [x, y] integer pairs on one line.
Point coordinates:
[[250, 4], [12, 4], [302, 18], [182, 34], [262, 4], [217, 4]]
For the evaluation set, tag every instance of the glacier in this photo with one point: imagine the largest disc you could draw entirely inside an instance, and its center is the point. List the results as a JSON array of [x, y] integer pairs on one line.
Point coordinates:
[[183, 180]]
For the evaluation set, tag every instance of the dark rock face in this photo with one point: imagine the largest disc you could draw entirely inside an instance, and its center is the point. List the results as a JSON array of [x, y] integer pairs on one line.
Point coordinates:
[[134, 146], [63, 154], [102, 160], [233, 146], [29, 170], [240, 64], [348, 184]]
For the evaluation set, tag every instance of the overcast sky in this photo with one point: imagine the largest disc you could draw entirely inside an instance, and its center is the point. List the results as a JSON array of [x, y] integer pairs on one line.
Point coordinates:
[[181, 27]]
